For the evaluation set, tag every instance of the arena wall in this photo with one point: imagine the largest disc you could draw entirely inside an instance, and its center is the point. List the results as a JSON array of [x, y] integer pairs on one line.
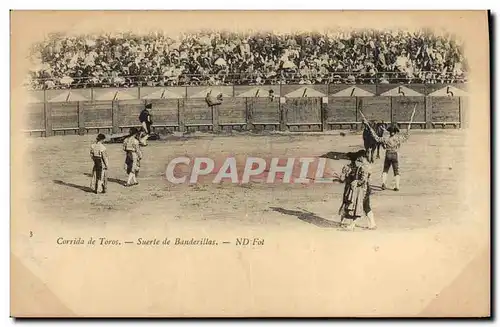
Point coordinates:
[[245, 107]]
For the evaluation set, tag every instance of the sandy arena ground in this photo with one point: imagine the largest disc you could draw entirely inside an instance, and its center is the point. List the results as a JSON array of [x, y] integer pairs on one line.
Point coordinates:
[[431, 167], [425, 236]]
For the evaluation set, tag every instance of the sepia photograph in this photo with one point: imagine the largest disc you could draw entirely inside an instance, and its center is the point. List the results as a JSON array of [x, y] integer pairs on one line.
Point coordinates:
[[250, 164]]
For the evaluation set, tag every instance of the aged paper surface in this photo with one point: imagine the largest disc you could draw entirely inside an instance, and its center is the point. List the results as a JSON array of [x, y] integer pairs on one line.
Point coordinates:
[[261, 248]]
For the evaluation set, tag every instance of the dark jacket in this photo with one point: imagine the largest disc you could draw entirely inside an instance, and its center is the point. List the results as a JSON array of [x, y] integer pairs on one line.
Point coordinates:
[[145, 116]]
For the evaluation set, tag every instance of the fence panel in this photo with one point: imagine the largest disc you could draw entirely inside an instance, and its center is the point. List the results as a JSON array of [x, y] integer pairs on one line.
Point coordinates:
[[64, 115], [375, 108], [402, 108], [302, 111], [444, 111], [263, 111], [197, 113], [128, 112], [232, 111], [341, 110], [165, 112], [35, 117], [97, 114]]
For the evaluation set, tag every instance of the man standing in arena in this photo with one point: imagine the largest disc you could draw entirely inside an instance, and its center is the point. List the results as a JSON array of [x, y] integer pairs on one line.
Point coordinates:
[[357, 191], [392, 143], [99, 156], [133, 156], [146, 122]]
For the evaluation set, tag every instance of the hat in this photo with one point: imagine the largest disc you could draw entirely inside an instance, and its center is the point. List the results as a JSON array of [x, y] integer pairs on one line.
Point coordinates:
[[133, 131], [393, 129], [149, 106], [360, 154], [353, 156], [100, 137]]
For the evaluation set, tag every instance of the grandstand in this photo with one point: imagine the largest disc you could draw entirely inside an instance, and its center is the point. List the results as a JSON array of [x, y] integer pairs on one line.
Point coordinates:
[[287, 82], [224, 58]]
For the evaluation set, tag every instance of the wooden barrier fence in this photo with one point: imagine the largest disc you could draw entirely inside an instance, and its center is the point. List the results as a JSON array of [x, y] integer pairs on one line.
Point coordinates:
[[290, 108]]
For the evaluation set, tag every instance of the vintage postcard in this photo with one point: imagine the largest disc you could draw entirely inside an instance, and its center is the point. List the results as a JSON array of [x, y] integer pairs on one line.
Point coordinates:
[[250, 164]]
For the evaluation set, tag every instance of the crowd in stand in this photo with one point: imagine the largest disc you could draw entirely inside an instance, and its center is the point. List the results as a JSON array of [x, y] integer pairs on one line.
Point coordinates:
[[223, 58]]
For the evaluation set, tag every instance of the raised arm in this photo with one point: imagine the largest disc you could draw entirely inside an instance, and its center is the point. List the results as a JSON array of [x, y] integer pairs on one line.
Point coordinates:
[[373, 133], [403, 137]]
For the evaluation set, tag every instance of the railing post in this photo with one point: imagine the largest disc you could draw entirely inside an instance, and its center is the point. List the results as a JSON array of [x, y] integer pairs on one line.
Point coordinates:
[[324, 107], [215, 118], [359, 106], [428, 112], [81, 119], [283, 114], [48, 119], [463, 111], [47, 108], [115, 108], [392, 109], [460, 111], [180, 114], [247, 114]]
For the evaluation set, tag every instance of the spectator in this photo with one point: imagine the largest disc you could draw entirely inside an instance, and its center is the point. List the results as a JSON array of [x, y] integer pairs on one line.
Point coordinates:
[[218, 58]]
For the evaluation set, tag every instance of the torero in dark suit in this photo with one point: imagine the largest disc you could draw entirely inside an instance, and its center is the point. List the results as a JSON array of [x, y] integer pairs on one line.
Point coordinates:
[[146, 122]]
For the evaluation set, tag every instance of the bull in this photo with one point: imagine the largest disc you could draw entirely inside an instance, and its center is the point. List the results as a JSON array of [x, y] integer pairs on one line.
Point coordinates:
[[370, 143]]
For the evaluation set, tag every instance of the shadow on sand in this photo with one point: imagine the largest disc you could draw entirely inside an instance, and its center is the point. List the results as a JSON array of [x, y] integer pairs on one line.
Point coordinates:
[[343, 156], [335, 155], [79, 187], [308, 217], [112, 180], [87, 188]]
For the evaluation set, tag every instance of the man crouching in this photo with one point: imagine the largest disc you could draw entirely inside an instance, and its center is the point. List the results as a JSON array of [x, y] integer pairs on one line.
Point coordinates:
[[357, 191]]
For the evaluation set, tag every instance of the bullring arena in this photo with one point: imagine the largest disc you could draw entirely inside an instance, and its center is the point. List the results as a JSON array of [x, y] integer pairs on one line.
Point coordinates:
[[290, 125], [62, 179], [284, 95], [427, 220]]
